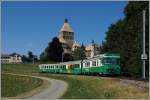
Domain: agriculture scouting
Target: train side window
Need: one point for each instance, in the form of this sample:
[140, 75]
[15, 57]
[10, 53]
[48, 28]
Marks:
[97, 62]
[88, 64]
[93, 63]
[77, 65]
[64, 67]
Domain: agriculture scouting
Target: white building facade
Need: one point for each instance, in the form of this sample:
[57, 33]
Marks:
[12, 58]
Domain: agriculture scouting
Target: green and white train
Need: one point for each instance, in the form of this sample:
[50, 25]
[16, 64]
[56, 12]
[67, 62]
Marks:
[103, 64]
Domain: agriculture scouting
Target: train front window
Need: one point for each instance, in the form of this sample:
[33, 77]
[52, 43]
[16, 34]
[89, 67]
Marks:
[110, 61]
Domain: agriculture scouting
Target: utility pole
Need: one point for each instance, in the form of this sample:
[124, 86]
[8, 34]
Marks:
[143, 56]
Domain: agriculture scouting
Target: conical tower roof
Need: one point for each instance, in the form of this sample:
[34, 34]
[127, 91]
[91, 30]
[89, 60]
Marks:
[66, 27]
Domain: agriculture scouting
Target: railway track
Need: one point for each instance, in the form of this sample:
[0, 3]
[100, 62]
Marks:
[140, 83]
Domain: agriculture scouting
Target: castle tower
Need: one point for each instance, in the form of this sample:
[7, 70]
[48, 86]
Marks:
[66, 36]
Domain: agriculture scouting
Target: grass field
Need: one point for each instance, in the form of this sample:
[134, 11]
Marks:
[13, 85]
[85, 87]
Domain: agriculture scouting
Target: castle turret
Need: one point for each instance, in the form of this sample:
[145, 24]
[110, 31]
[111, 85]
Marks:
[66, 36]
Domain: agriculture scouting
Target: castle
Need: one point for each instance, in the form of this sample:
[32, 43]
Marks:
[66, 37]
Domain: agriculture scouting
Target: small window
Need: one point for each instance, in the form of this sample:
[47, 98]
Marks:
[93, 63]
[76, 65]
[87, 64]
[97, 63]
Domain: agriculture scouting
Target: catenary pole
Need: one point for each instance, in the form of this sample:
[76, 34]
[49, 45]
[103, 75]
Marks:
[143, 59]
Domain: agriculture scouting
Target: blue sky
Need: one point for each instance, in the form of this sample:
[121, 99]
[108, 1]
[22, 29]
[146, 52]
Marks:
[31, 25]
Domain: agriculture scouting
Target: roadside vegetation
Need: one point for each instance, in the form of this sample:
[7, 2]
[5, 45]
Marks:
[83, 87]
[12, 85]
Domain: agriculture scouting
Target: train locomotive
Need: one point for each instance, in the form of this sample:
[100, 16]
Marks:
[103, 64]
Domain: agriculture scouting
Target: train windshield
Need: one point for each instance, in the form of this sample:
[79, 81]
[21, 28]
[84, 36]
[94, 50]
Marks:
[110, 61]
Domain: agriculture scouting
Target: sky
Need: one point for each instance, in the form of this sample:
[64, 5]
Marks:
[30, 26]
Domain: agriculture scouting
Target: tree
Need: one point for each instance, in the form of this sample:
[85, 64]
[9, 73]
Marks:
[79, 54]
[83, 47]
[53, 52]
[67, 57]
[124, 37]
[25, 59]
[30, 56]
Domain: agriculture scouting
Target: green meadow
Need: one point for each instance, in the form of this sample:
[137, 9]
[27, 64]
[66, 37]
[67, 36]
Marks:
[80, 87]
[13, 85]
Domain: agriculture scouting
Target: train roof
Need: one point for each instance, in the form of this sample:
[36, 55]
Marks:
[108, 55]
[61, 63]
[112, 55]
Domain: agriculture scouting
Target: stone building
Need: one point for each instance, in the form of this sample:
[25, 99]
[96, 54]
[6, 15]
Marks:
[11, 58]
[66, 37]
[92, 49]
[75, 46]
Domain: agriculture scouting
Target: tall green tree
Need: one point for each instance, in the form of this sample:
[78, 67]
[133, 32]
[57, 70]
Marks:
[53, 52]
[30, 56]
[25, 59]
[83, 47]
[125, 37]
